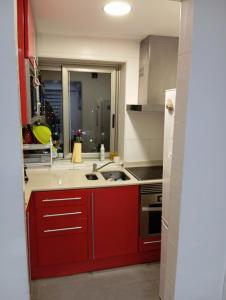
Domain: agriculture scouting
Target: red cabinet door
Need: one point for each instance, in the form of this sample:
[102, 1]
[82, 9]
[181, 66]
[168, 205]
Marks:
[30, 32]
[21, 62]
[26, 48]
[115, 221]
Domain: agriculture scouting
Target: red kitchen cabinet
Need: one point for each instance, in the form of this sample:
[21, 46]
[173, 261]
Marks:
[26, 49]
[30, 32]
[21, 62]
[59, 229]
[115, 221]
[83, 230]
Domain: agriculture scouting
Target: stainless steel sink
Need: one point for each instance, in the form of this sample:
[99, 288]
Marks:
[91, 177]
[115, 176]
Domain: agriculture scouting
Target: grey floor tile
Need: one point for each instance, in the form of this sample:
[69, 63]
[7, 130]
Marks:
[140, 282]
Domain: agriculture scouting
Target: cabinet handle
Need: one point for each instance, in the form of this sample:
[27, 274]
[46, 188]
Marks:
[153, 242]
[62, 199]
[151, 208]
[63, 229]
[65, 214]
[93, 234]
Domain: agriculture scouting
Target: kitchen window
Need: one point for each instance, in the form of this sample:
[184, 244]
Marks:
[81, 97]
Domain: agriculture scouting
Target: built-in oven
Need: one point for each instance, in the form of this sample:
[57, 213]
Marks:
[150, 209]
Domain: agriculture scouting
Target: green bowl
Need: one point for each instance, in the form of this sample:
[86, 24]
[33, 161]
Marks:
[42, 133]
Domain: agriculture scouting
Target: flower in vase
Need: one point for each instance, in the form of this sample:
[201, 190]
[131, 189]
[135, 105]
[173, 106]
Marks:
[78, 134]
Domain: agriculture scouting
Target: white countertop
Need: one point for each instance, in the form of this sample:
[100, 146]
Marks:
[65, 175]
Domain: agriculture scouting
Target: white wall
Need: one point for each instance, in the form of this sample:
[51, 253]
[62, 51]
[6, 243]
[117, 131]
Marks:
[147, 147]
[13, 261]
[144, 136]
[197, 240]
[95, 49]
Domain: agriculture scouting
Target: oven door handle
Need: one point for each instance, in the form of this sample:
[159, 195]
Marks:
[144, 208]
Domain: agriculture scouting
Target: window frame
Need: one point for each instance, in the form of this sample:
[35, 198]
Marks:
[85, 66]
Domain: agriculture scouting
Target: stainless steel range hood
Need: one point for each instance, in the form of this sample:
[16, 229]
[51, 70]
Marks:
[157, 72]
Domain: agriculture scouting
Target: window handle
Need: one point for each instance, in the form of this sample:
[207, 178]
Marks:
[113, 120]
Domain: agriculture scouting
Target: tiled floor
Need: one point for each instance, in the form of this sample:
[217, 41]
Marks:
[140, 282]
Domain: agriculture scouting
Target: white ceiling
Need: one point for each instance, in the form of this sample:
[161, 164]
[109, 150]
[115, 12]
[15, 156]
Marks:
[86, 18]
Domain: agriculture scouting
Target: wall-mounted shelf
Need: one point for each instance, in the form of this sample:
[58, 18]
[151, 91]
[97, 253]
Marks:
[38, 154]
[36, 146]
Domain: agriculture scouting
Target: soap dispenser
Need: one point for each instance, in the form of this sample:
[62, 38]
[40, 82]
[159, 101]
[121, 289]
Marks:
[102, 152]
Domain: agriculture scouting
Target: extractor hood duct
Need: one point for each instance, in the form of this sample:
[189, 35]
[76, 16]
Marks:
[157, 72]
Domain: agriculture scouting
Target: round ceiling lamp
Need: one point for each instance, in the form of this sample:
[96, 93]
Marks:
[117, 8]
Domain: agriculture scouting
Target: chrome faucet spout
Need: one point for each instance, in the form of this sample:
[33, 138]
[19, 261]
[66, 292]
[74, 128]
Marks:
[95, 169]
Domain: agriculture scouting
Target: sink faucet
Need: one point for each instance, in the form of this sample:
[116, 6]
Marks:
[95, 169]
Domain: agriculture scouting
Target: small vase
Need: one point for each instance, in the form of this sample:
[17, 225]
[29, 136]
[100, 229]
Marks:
[77, 153]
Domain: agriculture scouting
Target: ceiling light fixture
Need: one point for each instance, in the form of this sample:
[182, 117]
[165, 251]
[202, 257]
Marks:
[117, 8]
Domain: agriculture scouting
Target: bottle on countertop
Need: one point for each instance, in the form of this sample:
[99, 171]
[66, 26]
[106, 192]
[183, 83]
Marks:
[102, 152]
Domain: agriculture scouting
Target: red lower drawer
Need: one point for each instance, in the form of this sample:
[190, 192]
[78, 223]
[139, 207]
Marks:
[64, 226]
[80, 210]
[60, 198]
[55, 217]
[62, 249]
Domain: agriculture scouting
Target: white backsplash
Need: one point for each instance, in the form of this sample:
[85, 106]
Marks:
[143, 136]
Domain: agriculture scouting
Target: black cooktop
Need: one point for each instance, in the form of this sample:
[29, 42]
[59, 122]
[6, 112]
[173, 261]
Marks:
[146, 173]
